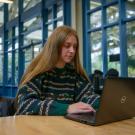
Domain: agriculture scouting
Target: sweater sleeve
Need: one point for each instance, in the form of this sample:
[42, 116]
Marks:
[84, 93]
[30, 102]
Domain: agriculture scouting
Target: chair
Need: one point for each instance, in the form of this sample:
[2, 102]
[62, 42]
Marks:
[7, 106]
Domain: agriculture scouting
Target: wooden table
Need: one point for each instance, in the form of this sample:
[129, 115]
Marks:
[55, 125]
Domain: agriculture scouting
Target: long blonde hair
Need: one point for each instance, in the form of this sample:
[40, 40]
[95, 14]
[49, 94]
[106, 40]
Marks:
[48, 57]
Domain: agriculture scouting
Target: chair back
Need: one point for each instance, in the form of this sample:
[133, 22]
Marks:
[7, 106]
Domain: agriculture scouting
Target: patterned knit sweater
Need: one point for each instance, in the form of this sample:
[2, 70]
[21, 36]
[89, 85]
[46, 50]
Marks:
[51, 93]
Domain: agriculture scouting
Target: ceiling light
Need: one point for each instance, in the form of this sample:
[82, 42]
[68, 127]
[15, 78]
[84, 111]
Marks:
[6, 1]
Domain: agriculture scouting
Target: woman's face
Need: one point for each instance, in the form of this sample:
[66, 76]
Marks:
[68, 50]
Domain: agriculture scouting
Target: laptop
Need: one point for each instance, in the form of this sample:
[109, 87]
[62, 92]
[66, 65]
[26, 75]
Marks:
[117, 103]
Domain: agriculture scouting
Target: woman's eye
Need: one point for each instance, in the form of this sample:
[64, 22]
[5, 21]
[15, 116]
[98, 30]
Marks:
[67, 45]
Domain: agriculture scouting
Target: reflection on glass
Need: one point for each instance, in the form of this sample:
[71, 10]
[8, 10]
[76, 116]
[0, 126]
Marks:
[13, 10]
[96, 50]
[37, 49]
[16, 31]
[33, 37]
[59, 23]
[32, 24]
[1, 45]
[1, 66]
[107, 1]
[50, 29]
[59, 9]
[1, 4]
[112, 14]
[10, 34]
[1, 59]
[95, 19]
[9, 81]
[27, 4]
[50, 14]
[94, 3]
[16, 44]
[27, 56]
[130, 8]
[29, 23]
[131, 48]
[113, 49]
[0, 40]
[26, 41]
[1, 16]
[16, 67]
[9, 47]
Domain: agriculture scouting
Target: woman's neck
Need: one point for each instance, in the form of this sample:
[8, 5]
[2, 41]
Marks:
[60, 65]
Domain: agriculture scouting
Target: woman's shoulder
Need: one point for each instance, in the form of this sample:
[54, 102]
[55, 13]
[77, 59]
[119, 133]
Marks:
[39, 76]
[81, 78]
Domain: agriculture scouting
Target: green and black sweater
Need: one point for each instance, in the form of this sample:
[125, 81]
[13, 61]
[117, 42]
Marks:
[52, 92]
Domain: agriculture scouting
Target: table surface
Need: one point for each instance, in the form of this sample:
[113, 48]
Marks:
[57, 125]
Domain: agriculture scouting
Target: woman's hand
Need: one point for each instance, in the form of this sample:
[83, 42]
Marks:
[80, 107]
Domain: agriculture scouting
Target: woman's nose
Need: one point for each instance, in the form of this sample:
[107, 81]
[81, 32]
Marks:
[72, 49]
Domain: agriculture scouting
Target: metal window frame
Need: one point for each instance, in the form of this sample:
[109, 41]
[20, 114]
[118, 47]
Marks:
[121, 23]
[38, 9]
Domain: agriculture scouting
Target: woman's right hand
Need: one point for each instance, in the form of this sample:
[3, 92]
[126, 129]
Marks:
[80, 107]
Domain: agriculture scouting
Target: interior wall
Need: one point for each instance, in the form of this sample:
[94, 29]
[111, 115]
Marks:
[76, 22]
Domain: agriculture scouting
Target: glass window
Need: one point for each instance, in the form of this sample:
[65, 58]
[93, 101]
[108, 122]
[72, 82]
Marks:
[1, 14]
[37, 49]
[59, 9]
[113, 48]
[50, 29]
[16, 31]
[32, 24]
[1, 60]
[50, 14]
[28, 56]
[1, 67]
[59, 23]
[112, 14]
[54, 16]
[131, 48]
[9, 47]
[16, 44]
[1, 41]
[16, 62]
[9, 81]
[130, 8]
[16, 67]
[33, 31]
[9, 68]
[1, 4]
[94, 3]
[13, 10]
[96, 50]
[107, 1]
[27, 4]
[95, 19]
[33, 37]
[9, 34]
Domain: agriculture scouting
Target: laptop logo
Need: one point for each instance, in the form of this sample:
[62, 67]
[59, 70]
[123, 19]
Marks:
[123, 99]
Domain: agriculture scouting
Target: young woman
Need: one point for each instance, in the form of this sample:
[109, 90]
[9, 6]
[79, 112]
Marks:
[55, 83]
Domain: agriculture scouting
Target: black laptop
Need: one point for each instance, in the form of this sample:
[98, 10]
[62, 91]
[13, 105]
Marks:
[117, 103]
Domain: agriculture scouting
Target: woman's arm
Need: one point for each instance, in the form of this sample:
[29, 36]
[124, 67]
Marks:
[30, 102]
[80, 107]
[84, 93]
